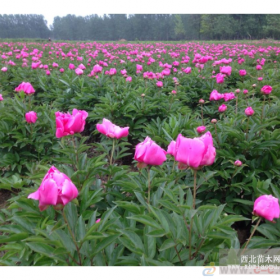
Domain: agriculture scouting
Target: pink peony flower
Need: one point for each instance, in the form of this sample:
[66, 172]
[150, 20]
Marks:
[237, 163]
[200, 129]
[27, 88]
[266, 89]
[220, 78]
[249, 111]
[222, 108]
[55, 189]
[187, 70]
[79, 71]
[111, 130]
[159, 84]
[31, 117]
[67, 124]
[97, 68]
[139, 67]
[215, 95]
[112, 71]
[148, 152]
[71, 66]
[225, 70]
[229, 96]
[267, 206]
[242, 72]
[195, 152]
[171, 149]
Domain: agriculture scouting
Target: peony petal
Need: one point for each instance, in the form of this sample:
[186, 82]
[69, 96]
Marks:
[35, 195]
[48, 192]
[189, 151]
[69, 192]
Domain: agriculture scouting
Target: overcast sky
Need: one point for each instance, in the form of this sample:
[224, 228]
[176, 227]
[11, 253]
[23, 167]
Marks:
[52, 8]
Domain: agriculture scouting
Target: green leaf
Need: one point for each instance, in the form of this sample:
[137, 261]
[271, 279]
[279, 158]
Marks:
[103, 244]
[157, 233]
[149, 243]
[134, 238]
[168, 243]
[146, 220]
[130, 206]
[219, 235]
[13, 237]
[244, 201]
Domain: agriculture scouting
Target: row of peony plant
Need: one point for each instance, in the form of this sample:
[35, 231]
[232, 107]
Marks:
[58, 190]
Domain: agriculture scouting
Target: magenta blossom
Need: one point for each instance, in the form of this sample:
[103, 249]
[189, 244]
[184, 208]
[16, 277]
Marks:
[229, 96]
[79, 71]
[71, 66]
[225, 70]
[112, 71]
[222, 108]
[242, 72]
[31, 117]
[249, 111]
[237, 163]
[220, 78]
[215, 95]
[97, 68]
[27, 88]
[111, 130]
[67, 124]
[55, 189]
[159, 84]
[200, 129]
[266, 89]
[148, 152]
[171, 149]
[195, 152]
[267, 206]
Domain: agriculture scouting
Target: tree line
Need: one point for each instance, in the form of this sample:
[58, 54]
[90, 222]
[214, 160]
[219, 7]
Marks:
[143, 27]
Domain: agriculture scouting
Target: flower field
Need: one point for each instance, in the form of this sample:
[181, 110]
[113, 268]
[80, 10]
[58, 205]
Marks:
[147, 154]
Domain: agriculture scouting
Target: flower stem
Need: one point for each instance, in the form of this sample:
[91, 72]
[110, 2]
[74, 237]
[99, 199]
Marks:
[73, 237]
[149, 187]
[76, 153]
[251, 235]
[112, 152]
[178, 255]
[191, 225]
[263, 108]
[173, 165]
[29, 102]
[171, 102]
[217, 134]
[236, 105]
[194, 188]
[31, 129]
[76, 166]
[202, 114]
[247, 128]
